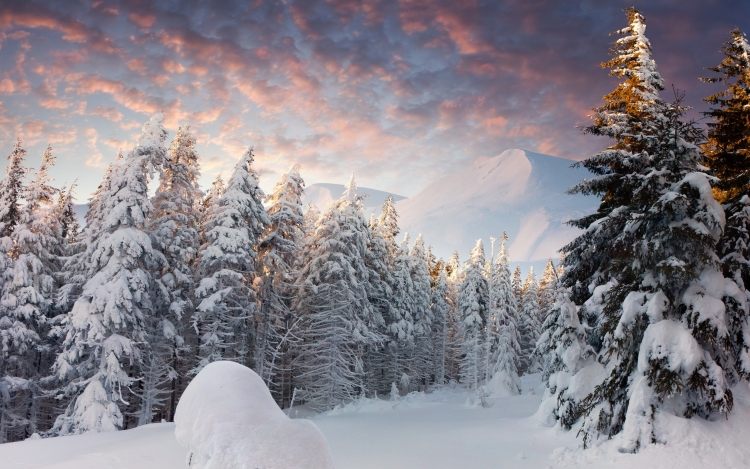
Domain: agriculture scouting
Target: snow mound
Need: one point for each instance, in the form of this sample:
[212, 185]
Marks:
[502, 385]
[228, 420]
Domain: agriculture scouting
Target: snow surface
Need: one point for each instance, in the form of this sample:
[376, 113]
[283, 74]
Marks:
[228, 420]
[436, 430]
[518, 191]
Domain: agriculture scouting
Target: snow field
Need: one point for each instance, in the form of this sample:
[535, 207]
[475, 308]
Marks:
[424, 431]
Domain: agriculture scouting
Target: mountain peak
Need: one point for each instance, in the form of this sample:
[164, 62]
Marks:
[518, 191]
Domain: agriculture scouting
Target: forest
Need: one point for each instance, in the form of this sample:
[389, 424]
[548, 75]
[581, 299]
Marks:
[102, 326]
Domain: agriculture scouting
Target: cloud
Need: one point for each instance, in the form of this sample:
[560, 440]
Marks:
[109, 113]
[398, 91]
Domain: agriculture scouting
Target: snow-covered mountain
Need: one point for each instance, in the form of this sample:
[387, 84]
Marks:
[518, 191]
[323, 194]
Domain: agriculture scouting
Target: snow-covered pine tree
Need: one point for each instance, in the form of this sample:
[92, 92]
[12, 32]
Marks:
[454, 276]
[517, 284]
[529, 327]
[400, 325]
[278, 252]
[66, 220]
[546, 290]
[388, 226]
[104, 332]
[11, 189]
[74, 272]
[337, 320]
[473, 309]
[453, 268]
[727, 153]
[562, 351]
[234, 225]
[173, 227]
[504, 349]
[421, 312]
[380, 294]
[26, 304]
[651, 245]
[441, 309]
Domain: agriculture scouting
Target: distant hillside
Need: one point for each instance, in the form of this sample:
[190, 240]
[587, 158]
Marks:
[321, 195]
[520, 192]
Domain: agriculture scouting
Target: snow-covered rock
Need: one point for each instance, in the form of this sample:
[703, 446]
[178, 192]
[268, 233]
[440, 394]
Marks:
[228, 420]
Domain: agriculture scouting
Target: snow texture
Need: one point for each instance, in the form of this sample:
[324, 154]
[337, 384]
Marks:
[228, 420]
[431, 430]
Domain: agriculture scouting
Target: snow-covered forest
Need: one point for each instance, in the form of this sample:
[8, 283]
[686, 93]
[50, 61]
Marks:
[644, 315]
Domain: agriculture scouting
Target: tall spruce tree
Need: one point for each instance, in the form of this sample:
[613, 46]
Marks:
[473, 309]
[233, 226]
[727, 153]
[400, 325]
[105, 332]
[173, 227]
[504, 349]
[421, 312]
[651, 243]
[441, 309]
[278, 252]
[11, 189]
[26, 305]
[562, 351]
[529, 327]
[380, 294]
[338, 323]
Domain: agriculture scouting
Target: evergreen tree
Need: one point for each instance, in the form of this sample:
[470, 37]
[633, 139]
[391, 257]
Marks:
[441, 309]
[547, 290]
[728, 155]
[26, 305]
[400, 325]
[380, 295]
[277, 254]
[173, 228]
[473, 308]
[651, 247]
[338, 323]
[504, 349]
[454, 338]
[517, 284]
[727, 149]
[11, 190]
[66, 220]
[104, 332]
[388, 226]
[529, 326]
[421, 312]
[234, 225]
[626, 116]
[563, 351]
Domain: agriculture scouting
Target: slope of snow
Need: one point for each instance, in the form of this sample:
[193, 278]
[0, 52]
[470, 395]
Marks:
[437, 430]
[228, 420]
[322, 194]
[520, 192]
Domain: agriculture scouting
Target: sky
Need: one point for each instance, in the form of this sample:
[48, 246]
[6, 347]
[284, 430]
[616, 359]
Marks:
[398, 92]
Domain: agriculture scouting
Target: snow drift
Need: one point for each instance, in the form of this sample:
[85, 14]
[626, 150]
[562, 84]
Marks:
[228, 420]
[520, 192]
